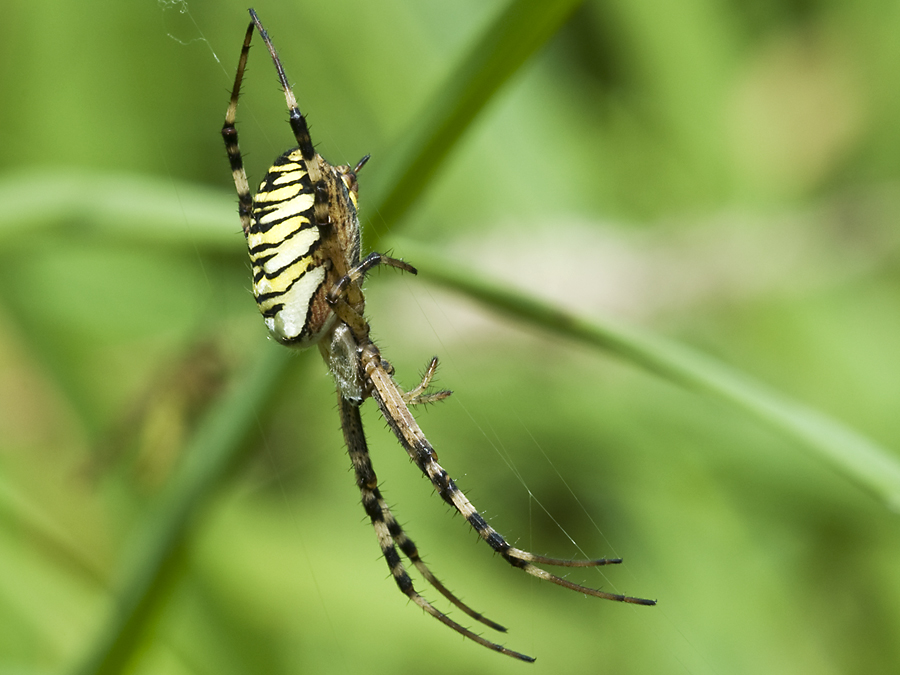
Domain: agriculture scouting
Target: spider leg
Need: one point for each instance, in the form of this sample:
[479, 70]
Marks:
[229, 134]
[396, 413]
[390, 535]
[345, 296]
[314, 164]
[360, 164]
[360, 270]
[418, 396]
[297, 120]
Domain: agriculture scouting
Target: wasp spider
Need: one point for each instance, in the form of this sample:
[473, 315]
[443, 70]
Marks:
[303, 233]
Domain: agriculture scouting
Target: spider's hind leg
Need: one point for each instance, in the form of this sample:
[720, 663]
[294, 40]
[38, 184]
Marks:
[391, 402]
[391, 536]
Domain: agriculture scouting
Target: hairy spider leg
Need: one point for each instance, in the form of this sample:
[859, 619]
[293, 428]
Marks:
[391, 535]
[229, 133]
[395, 411]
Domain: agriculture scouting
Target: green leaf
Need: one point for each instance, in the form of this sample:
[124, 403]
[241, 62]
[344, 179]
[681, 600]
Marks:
[855, 457]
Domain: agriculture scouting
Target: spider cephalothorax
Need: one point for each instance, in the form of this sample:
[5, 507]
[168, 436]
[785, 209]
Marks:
[303, 233]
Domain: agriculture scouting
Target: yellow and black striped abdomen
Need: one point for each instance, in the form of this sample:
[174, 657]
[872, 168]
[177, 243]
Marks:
[283, 238]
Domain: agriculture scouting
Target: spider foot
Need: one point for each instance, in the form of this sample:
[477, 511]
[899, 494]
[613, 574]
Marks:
[424, 399]
[526, 562]
[462, 630]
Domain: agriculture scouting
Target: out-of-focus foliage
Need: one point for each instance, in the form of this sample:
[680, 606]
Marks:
[723, 174]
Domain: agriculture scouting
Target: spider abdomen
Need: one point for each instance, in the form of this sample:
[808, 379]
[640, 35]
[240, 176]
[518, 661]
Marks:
[284, 237]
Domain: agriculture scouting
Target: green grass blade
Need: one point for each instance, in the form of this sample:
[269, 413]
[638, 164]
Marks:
[213, 450]
[115, 205]
[513, 37]
[854, 456]
[857, 458]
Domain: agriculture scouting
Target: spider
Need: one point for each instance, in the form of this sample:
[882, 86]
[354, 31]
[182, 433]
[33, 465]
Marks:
[303, 234]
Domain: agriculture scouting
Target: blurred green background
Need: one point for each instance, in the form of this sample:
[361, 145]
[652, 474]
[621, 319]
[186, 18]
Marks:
[174, 492]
